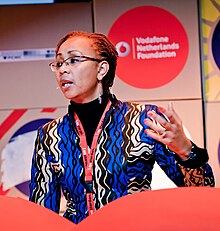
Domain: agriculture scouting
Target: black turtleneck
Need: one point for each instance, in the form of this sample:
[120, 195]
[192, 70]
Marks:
[90, 115]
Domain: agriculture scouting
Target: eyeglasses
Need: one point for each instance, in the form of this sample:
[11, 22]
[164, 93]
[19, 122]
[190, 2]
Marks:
[71, 61]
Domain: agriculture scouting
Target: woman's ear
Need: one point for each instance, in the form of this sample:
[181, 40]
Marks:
[102, 69]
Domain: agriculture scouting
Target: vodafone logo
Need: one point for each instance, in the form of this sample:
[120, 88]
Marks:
[152, 45]
[123, 49]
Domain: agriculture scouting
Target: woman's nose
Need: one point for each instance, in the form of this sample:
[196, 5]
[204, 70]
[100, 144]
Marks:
[64, 68]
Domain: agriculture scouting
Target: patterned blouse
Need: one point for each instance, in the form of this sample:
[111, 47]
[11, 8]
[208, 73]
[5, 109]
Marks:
[123, 161]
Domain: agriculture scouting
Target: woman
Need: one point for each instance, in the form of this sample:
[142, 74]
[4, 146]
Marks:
[103, 149]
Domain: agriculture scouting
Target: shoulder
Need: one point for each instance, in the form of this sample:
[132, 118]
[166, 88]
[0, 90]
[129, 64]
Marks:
[54, 122]
[133, 105]
[140, 106]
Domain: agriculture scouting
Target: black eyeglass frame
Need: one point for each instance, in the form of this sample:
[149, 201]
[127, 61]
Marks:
[79, 59]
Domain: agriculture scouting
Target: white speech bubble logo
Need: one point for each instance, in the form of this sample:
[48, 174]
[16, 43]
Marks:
[123, 49]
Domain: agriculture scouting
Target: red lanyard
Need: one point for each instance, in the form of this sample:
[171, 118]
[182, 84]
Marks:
[88, 155]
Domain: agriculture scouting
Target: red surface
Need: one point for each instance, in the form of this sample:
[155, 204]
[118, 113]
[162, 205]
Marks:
[19, 214]
[179, 209]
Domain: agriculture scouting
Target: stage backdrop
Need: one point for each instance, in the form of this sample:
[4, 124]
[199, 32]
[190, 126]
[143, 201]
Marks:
[159, 54]
[29, 98]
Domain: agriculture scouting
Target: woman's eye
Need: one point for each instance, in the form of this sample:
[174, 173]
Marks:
[59, 64]
[74, 60]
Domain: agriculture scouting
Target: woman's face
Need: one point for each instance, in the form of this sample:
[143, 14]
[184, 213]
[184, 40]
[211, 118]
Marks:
[78, 81]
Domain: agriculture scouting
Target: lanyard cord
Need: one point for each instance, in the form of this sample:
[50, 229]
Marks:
[88, 155]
